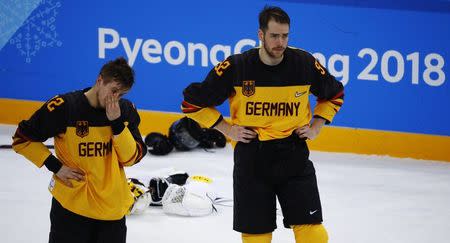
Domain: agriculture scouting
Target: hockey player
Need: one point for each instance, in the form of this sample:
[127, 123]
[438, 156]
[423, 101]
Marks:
[268, 89]
[95, 134]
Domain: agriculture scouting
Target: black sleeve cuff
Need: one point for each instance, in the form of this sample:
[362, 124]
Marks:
[117, 126]
[217, 122]
[53, 164]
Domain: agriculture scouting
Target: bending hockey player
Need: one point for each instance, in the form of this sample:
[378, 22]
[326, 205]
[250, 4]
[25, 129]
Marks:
[96, 134]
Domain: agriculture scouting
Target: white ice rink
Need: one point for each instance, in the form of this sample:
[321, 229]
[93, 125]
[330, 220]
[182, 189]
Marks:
[365, 199]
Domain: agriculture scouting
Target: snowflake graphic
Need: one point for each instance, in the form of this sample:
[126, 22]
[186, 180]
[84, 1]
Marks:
[38, 31]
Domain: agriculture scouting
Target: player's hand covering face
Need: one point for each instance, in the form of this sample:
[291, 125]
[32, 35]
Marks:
[108, 96]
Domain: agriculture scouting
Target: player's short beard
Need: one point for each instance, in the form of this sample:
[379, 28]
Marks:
[268, 51]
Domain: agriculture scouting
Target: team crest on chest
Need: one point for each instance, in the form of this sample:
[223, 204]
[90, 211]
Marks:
[82, 128]
[248, 88]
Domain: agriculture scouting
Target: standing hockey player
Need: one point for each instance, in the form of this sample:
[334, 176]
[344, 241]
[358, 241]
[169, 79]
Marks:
[268, 89]
[95, 134]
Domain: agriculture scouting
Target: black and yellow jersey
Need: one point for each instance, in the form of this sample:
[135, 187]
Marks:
[84, 139]
[271, 100]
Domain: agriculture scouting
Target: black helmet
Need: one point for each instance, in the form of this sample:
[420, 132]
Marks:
[212, 138]
[185, 134]
[158, 144]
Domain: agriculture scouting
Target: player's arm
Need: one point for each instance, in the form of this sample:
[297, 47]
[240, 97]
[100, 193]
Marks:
[200, 99]
[329, 91]
[127, 140]
[46, 122]
[235, 132]
[330, 97]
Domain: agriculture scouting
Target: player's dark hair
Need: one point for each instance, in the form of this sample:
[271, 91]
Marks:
[271, 12]
[118, 71]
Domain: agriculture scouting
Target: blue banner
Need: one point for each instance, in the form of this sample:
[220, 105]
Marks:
[390, 57]
[413, 5]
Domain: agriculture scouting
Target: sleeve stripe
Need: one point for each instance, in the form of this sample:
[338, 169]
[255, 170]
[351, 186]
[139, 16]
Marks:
[189, 108]
[337, 102]
[339, 95]
[140, 154]
[136, 157]
[339, 98]
[189, 105]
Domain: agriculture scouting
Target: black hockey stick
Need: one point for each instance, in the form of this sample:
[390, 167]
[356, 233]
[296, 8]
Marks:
[7, 146]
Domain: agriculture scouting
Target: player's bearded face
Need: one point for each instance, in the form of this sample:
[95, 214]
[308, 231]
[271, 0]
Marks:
[276, 39]
[274, 51]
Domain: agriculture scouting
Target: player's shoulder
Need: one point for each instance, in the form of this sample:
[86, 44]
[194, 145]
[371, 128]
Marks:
[298, 52]
[63, 101]
[71, 96]
[127, 105]
[300, 56]
[129, 110]
[236, 61]
[249, 54]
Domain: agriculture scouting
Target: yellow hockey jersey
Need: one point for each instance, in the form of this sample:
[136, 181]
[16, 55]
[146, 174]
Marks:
[84, 139]
[271, 100]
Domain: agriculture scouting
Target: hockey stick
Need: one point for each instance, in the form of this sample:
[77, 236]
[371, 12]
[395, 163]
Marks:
[7, 146]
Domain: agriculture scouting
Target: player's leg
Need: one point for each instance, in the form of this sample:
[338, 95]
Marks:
[299, 198]
[310, 233]
[68, 227]
[257, 238]
[114, 231]
[254, 199]
[301, 207]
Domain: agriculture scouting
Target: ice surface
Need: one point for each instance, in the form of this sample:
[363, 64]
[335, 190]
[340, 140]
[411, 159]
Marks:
[365, 199]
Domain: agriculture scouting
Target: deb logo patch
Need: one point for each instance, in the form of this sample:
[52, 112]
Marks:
[248, 88]
[82, 128]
